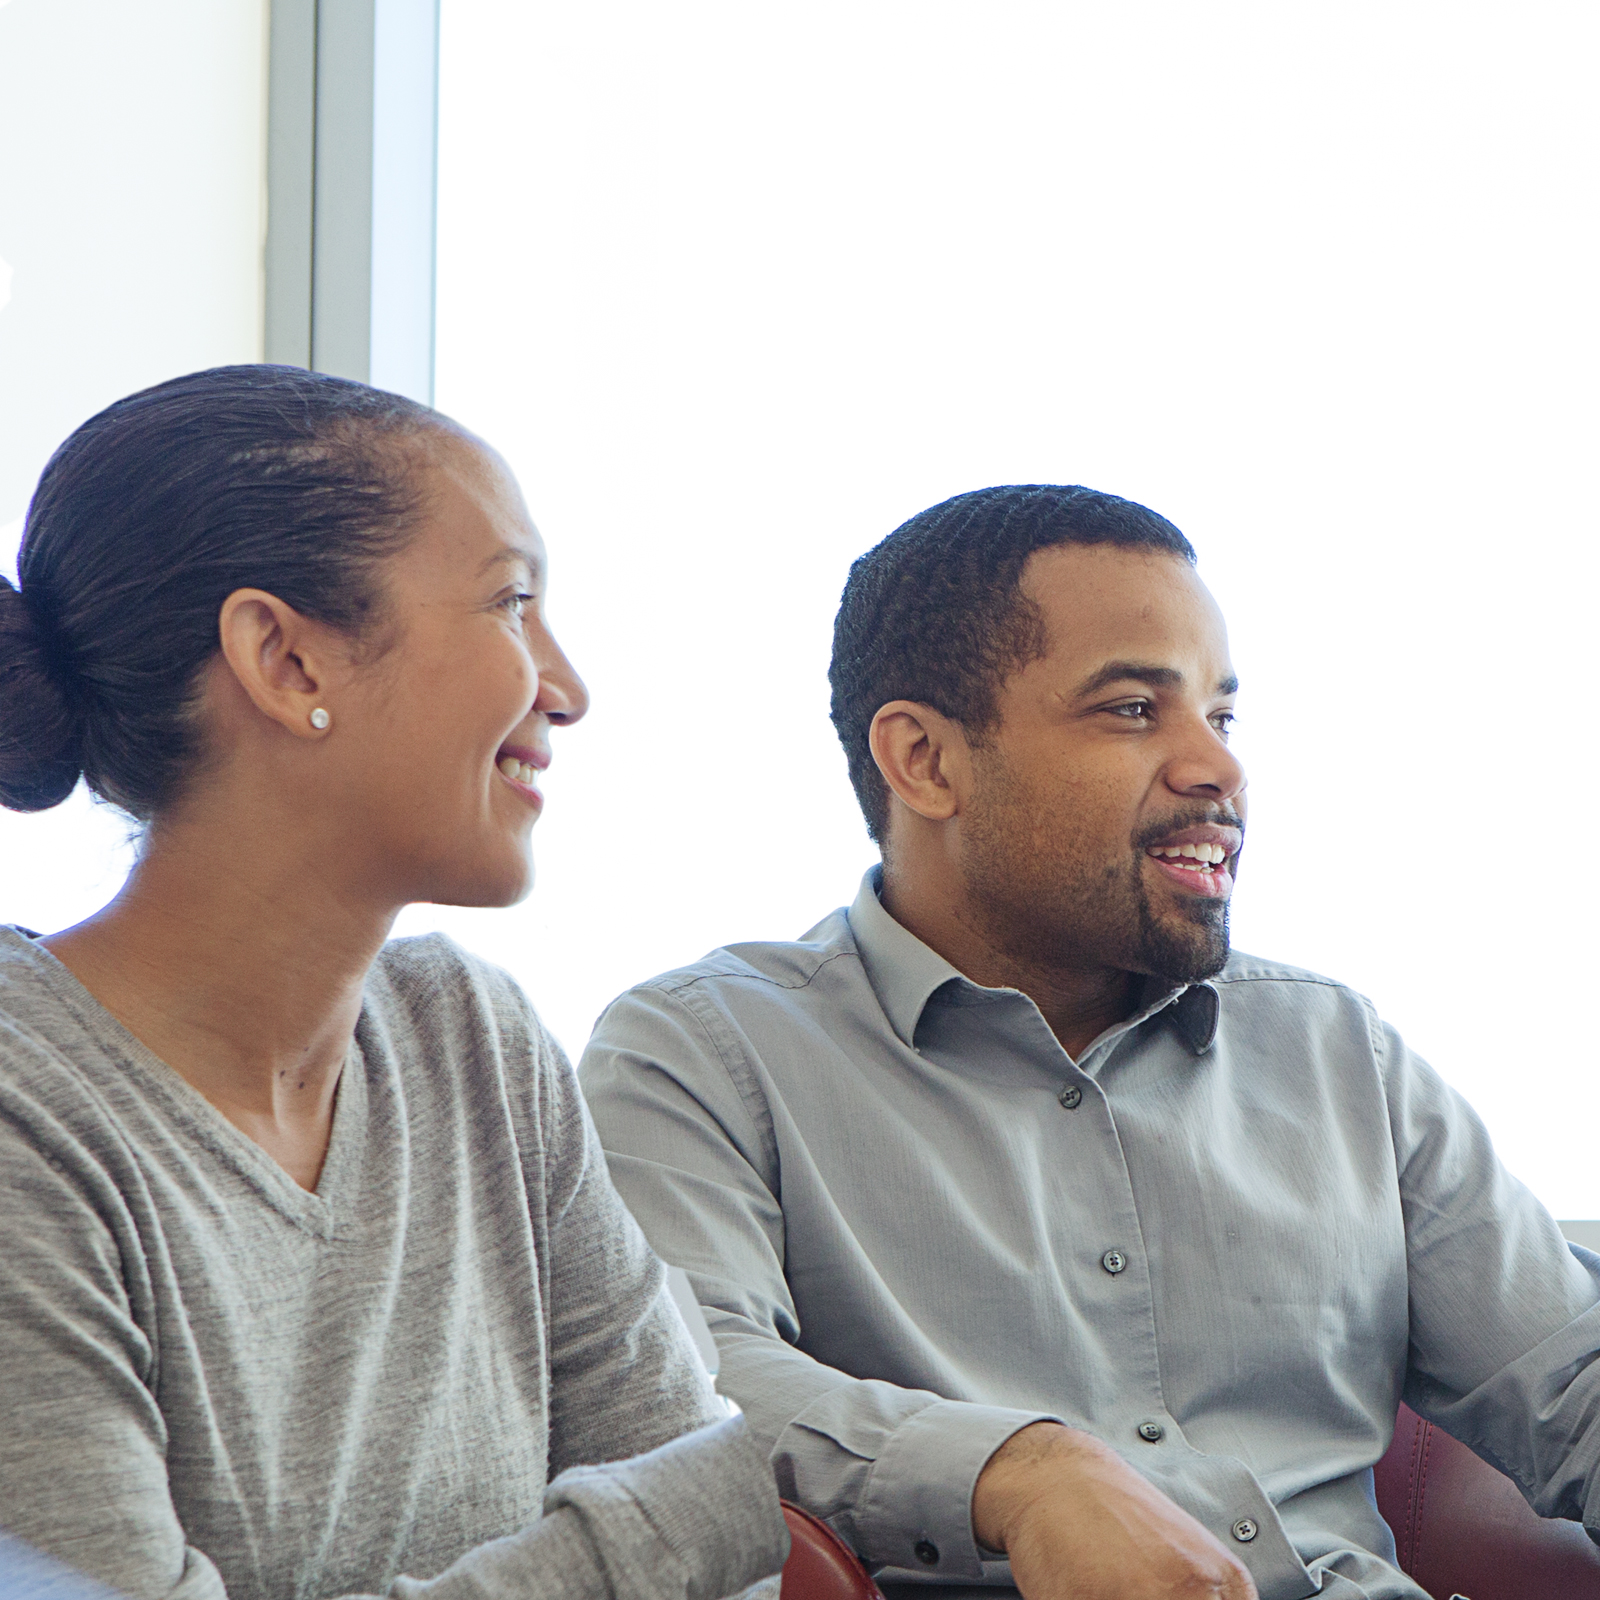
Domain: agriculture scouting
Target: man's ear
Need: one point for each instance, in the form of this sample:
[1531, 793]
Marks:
[923, 756]
[279, 658]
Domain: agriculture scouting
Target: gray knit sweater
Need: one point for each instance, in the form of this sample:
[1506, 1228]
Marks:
[213, 1382]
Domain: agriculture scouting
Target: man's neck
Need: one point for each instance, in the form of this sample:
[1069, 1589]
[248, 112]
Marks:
[1078, 1004]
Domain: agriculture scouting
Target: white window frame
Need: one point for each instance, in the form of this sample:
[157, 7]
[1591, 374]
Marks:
[352, 141]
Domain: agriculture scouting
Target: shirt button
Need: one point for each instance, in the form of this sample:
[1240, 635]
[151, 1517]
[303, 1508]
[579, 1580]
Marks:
[1114, 1262]
[1152, 1432]
[1244, 1530]
[927, 1552]
[1071, 1097]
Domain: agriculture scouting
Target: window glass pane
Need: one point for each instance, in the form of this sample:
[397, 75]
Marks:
[738, 288]
[132, 172]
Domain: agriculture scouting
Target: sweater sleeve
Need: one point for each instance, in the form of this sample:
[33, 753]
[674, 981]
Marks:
[79, 1422]
[657, 1490]
[696, 1517]
[624, 1373]
[690, 1513]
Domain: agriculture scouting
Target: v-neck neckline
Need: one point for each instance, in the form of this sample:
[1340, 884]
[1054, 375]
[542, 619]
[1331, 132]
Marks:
[325, 1211]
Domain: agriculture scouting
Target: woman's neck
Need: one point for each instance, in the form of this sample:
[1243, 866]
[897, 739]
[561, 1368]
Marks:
[241, 968]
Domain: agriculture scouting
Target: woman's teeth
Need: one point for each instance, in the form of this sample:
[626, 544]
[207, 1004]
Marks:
[1203, 856]
[522, 772]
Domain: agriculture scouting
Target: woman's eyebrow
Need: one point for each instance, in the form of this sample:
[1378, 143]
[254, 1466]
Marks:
[505, 555]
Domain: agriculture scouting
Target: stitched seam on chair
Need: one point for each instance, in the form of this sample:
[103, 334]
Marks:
[1408, 1523]
[1426, 1431]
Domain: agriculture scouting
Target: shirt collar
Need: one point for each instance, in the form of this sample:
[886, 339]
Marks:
[902, 970]
[905, 974]
[1196, 1013]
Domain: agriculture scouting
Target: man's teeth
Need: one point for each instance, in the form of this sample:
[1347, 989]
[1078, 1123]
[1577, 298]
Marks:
[519, 771]
[1203, 855]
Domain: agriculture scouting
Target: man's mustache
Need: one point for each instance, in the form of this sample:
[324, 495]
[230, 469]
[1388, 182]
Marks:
[1218, 816]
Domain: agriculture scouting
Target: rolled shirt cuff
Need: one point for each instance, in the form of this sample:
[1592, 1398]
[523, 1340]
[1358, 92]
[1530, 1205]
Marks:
[917, 1510]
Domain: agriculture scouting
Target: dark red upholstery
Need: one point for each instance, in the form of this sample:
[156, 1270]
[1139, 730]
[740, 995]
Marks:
[1462, 1528]
[821, 1566]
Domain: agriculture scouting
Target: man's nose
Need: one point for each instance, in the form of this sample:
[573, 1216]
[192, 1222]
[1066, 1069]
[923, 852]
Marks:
[1204, 766]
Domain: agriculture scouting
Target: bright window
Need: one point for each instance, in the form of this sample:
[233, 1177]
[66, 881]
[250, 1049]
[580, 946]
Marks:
[131, 209]
[737, 288]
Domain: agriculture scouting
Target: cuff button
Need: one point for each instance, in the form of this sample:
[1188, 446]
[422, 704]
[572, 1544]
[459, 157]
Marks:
[927, 1552]
[1244, 1530]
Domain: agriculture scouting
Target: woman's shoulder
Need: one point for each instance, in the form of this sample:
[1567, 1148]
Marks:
[48, 1039]
[463, 1038]
[63, 1094]
[431, 991]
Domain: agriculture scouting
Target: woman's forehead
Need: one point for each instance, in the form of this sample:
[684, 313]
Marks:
[474, 517]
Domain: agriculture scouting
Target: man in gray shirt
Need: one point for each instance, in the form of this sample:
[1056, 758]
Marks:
[1030, 1222]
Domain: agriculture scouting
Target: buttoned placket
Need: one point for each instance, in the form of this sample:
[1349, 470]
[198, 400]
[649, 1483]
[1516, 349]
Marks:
[1121, 1257]
[1118, 1250]
[1119, 1306]
[1118, 1253]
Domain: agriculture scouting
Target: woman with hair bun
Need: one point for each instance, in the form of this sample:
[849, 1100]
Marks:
[312, 1280]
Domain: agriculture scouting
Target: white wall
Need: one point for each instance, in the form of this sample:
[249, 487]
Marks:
[738, 288]
[131, 219]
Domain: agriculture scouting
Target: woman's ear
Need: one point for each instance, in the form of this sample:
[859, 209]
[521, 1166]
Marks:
[278, 657]
[923, 757]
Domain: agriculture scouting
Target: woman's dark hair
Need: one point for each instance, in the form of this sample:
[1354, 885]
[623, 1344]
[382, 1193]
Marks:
[147, 518]
[935, 613]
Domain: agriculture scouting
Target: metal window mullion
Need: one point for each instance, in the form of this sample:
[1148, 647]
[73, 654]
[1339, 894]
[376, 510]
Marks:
[351, 189]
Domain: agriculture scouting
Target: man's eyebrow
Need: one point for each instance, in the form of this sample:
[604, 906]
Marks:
[1124, 671]
[1143, 672]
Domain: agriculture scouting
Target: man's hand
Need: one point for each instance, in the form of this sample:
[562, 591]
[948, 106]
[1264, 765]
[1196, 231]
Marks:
[1078, 1523]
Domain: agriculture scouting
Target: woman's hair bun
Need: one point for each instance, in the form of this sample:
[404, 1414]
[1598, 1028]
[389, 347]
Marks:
[41, 737]
[145, 520]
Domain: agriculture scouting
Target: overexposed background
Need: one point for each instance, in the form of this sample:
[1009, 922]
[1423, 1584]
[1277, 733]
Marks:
[739, 288]
[132, 211]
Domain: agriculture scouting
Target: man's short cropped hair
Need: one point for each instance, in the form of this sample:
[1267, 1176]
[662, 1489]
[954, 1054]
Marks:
[936, 613]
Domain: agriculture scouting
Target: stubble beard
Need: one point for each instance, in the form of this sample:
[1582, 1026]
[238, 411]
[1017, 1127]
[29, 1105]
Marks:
[1040, 906]
[1190, 946]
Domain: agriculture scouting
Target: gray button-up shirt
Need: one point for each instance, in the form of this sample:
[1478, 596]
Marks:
[1226, 1241]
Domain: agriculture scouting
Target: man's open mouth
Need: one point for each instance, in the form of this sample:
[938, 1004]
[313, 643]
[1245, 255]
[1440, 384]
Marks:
[1198, 858]
[1191, 857]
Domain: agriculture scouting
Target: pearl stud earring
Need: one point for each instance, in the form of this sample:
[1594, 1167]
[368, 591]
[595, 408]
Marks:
[320, 719]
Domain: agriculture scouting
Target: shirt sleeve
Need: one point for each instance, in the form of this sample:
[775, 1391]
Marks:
[1505, 1314]
[892, 1470]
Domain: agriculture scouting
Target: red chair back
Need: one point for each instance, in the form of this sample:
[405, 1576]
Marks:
[1460, 1527]
[1463, 1528]
[821, 1566]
